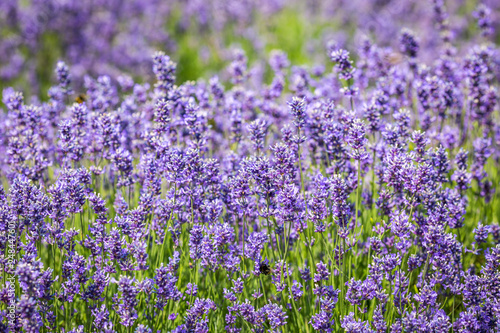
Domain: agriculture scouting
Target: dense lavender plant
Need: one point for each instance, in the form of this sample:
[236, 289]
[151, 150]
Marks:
[274, 196]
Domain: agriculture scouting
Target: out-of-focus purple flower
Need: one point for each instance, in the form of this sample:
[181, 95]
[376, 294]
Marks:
[408, 43]
[278, 61]
[484, 20]
[63, 77]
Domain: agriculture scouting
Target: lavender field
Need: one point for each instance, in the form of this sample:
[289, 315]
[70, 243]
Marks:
[250, 166]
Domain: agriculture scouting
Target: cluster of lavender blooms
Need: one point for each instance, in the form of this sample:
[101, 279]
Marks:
[115, 37]
[353, 196]
[109, 37]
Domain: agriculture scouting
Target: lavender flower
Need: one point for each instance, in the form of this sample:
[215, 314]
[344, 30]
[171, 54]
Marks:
[483, 16]
[343, 64]
[257, 131]
[298, 110]
[63, 77]
[160, 198]
[409, 44]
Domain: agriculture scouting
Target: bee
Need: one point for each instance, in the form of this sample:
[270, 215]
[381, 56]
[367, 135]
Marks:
[265, 269]
[394, 58]
[81, 98]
